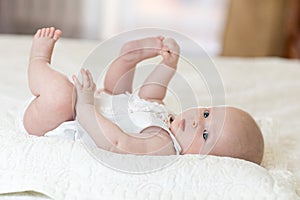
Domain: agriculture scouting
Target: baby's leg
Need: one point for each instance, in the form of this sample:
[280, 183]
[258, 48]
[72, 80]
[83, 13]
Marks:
[155, 86]
[53, 90]
[120, 74]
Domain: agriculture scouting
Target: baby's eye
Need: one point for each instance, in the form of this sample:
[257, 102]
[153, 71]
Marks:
[205, 134]
[206, 114]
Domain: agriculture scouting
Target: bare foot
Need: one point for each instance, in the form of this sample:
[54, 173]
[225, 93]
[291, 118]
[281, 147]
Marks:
[43, 44]
[138, 50]
[170, 52]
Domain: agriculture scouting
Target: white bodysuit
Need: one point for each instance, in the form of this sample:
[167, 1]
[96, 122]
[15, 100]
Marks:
[131, 113]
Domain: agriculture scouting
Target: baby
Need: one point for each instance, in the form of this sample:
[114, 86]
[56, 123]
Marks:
[221, 131]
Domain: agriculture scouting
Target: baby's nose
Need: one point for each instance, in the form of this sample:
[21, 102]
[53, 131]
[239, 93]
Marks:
[195, 124]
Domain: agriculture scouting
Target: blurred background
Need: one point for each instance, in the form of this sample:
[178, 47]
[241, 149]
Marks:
[243, 28]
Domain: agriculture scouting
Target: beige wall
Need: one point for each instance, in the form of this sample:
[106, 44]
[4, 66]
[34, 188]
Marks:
[255, 28]
[25, 16]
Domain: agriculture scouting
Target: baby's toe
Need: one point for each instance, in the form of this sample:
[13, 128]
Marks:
[57, 34]
[38, 33]
[51, 32]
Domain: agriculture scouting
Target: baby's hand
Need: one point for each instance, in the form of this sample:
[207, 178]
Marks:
[170, 52]
[85, 90]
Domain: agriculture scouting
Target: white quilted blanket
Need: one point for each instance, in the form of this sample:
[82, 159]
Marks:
[65, 170]
[42, 167]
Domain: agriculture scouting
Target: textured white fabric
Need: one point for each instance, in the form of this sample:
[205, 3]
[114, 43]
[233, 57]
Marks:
[268, 88]
[66, 170]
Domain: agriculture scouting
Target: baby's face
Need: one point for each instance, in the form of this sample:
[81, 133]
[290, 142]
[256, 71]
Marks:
[221, 131]
[193, 128]
[199, 129]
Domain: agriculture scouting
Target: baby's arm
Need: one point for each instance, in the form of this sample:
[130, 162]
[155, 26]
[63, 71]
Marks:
[155, 86]
[106, 134]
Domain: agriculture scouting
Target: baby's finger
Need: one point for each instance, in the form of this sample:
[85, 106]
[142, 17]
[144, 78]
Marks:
[89, 74]
[85, 79]
[77, 84]
[91, 79]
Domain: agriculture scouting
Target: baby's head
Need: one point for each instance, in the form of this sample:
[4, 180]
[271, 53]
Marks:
[220, 131]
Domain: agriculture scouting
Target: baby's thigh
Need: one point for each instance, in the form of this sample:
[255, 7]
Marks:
[49, 110]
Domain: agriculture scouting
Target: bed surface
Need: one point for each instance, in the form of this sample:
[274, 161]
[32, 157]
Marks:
[268, 88]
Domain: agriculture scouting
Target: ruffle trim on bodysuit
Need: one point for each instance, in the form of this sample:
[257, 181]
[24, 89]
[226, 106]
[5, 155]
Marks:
[137, 104]
[160, 112]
